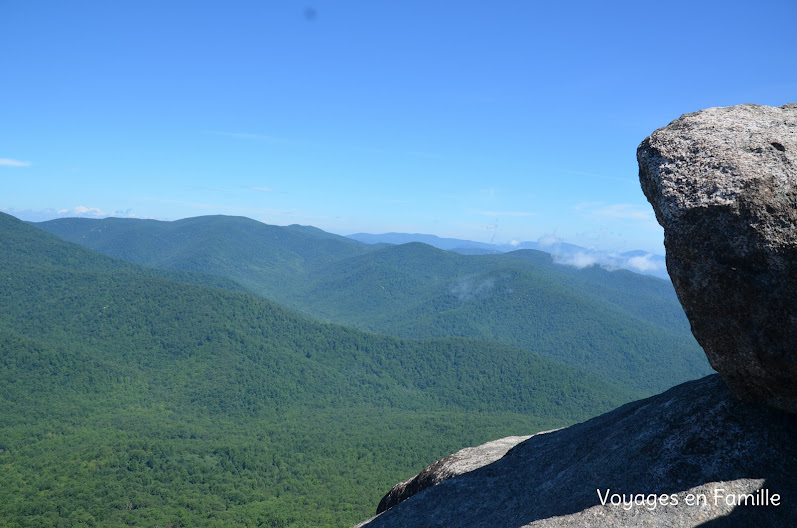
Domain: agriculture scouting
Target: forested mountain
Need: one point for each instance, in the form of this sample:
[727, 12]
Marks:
[269, 260]
[450, 244]
[570, 254]
[135, 397]
[616, 324]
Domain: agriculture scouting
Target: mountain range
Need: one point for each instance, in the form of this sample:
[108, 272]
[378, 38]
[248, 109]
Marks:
[637, 261]
[138, 396]
[164, 385]
[616, 324]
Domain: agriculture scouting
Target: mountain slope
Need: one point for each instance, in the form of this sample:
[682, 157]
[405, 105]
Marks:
[616, 324]
[131, 398]
[271, 261]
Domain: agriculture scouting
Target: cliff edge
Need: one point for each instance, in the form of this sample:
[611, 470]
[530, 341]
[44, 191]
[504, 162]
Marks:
[645, 459]
[718, 451]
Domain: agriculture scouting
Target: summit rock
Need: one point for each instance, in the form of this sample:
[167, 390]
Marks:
[723, 184]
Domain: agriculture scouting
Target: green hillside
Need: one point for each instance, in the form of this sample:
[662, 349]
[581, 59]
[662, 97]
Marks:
[627, 328]
[268, 260]
[133, 398]
[622, 326]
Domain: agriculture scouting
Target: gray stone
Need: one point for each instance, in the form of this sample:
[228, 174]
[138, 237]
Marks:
[723, 184]
[460, 462]
[695, 438]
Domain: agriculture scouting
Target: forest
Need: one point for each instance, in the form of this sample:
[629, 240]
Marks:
[136, 396]
[615, 324]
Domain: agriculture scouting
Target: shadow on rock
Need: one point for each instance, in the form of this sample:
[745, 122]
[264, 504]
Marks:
[696, 438]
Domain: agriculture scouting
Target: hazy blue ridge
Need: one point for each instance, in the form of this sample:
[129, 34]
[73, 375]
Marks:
[623, 326]
[566, 254]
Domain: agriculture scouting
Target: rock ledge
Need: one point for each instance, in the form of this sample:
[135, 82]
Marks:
[695, 438]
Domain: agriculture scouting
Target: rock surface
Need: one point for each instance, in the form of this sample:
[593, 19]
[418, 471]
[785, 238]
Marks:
[695, 438]
[460, 462]
[723, 184]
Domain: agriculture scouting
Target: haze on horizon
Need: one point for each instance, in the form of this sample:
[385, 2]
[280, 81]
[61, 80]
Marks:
[496, 123]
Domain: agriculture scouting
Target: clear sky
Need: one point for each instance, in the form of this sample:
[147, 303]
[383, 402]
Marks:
[491, 121]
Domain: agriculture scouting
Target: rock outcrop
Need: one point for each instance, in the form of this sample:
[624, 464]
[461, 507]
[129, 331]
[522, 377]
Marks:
[696, 438]
[723, 184]
[460, 462]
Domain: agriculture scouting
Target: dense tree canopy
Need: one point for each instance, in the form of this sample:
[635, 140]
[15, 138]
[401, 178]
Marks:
[617, 325]
[138, 397]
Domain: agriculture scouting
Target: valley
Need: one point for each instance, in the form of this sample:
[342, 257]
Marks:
[616, 324]
[135, 395]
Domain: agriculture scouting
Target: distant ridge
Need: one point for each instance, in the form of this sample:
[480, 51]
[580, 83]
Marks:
[433, 240]
[638, 261]
[267, 260]
[614, 324]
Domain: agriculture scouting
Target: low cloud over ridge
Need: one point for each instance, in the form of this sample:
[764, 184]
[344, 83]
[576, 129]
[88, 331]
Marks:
[638, 261]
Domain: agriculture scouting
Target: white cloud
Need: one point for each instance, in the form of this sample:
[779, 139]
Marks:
[95, 212]
[82, 210]
[263, 189]
[570, 255]
[549, 241]
[582, 260]
[645, 264]
[648, 264]
[8, 162]
[42, 215]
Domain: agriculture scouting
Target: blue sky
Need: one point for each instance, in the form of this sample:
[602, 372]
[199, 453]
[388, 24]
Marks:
[493, 121]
